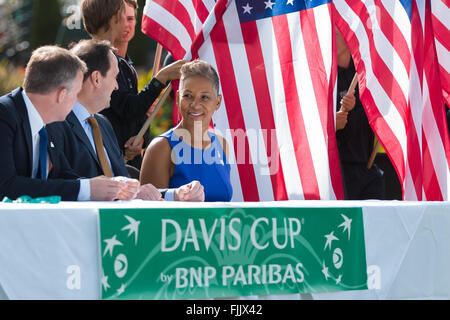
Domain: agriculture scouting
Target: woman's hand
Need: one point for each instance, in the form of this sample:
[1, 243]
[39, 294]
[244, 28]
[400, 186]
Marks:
[171, 72]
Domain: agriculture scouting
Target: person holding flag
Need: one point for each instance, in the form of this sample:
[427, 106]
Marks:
[355, 137]
[110, 20]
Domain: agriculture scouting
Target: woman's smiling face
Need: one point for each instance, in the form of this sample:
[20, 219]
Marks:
[198, 100]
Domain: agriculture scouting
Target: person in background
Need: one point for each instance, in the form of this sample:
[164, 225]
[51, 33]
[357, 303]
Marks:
[448, 118]
[354, 135]
[87, 138]
[115, 20]
[190, 151]
[30, 163]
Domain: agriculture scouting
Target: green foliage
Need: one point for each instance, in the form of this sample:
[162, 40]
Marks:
[10, 77]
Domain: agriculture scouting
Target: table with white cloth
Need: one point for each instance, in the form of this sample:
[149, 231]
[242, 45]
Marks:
[407, 245]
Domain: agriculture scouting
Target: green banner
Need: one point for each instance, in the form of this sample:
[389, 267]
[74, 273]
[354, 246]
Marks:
[228, 252]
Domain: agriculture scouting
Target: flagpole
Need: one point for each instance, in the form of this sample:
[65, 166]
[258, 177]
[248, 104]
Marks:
[374, 154]
[350, 89]
[152, 115]
[377, 143]
[157, 61]
[354, 82]
[158, 102]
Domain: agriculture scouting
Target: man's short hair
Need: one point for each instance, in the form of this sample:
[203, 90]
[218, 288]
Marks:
[200, 68]
[95, 53]
[98, 13]
[51, 68]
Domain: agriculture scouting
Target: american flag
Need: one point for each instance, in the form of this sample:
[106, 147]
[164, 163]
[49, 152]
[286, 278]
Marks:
[393, 46]
[278, 72]
[440, 16]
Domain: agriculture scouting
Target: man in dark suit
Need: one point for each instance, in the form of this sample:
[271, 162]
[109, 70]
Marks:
[31, 164]
[77, 136]
[108, 20]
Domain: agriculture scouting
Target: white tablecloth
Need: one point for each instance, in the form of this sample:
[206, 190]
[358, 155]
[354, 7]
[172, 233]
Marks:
[43, 246]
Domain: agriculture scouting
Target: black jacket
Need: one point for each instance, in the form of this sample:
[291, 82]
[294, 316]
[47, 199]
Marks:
[16, 160]
[70, 137]
[128, 107]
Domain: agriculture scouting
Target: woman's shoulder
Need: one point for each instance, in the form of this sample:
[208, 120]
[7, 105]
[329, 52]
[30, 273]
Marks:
[159, 144]
[166, 134]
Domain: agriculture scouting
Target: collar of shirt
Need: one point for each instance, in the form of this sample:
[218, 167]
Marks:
[81, 112]
[36, 122]
[82, 115]
[128, 59]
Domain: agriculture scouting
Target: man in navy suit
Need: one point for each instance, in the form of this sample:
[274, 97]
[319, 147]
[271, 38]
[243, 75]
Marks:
[31, 164]
[76, 134]
[109, 20]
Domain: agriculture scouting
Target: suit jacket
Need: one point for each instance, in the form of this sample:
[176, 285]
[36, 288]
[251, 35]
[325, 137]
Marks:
[16, 159]
[69, 135]
[128, 107]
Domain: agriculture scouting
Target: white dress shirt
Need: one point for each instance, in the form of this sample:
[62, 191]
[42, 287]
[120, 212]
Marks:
[36, 124]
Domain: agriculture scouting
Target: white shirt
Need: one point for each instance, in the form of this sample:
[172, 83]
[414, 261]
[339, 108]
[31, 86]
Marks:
[36, 124]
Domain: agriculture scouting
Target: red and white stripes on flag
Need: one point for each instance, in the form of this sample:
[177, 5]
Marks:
[175, 24]
[278, 76]
[393, 47]
[440, 17]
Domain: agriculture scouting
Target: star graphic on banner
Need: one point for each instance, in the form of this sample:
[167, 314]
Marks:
[325, 271]
[132, 227]
[247, 9]
[121, 289]
[269, 4]
[291, 2]
[346, 224]
[105, 283]
[338, 280]
[330, 237]
[110, 244]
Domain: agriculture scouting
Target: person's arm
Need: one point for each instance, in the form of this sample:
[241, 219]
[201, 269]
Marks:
[347, 104]
[157, 163]
[192, 191]
[132, 151]
[128, 105]
[348, 101]
[341, 119]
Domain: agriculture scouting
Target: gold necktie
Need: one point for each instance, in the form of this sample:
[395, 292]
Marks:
[99, 147]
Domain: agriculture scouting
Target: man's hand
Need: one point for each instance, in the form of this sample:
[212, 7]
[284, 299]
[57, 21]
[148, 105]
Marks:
[130, 188]
[341, 119]
[148, 192]
[171, 72]
[190, 192]
[105, 189]
[132, 151]
[348, 101]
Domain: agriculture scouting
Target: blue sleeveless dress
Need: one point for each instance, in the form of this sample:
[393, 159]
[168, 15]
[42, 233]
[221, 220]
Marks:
[208, 166]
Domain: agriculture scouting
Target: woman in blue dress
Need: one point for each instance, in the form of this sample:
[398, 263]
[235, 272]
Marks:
[190, 151]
